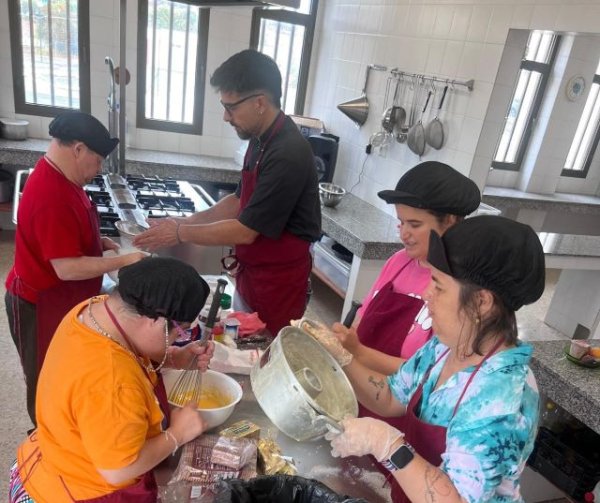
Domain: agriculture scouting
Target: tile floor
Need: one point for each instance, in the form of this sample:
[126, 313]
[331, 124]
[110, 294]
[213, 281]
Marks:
[324, 305]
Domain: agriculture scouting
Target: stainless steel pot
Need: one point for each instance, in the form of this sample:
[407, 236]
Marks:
[6, 186]
[300, 386]
[13, 129]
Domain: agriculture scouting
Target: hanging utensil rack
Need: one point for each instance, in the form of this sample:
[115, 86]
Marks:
[469, 84]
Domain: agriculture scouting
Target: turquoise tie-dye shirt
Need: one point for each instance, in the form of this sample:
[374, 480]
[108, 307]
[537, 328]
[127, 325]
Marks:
[492, 434]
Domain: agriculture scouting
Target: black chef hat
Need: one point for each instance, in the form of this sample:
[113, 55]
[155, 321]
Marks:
[161, 286]
[85, 128]
[433, 185]
[495, 253]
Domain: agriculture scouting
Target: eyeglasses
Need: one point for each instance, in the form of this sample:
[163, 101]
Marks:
[180, 331]
[230, 107]
[188, 334]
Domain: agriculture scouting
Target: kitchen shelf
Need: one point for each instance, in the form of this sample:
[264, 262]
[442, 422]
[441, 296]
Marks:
[319, 274]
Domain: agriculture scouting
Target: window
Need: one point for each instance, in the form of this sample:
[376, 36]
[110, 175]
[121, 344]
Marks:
[286, 35]
[50, 55]
[527, 97]
[172, 41]
[587, 134]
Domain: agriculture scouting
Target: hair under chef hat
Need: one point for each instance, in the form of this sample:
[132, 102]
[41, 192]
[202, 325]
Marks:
[83, 127]
[495, 253]
[162, 286]
[433, 185]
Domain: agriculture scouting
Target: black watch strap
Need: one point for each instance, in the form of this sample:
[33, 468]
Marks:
[399, 458]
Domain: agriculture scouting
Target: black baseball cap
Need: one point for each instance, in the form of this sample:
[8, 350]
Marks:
[83, 127]
[495, 253]
[433, 185]
[163, 286]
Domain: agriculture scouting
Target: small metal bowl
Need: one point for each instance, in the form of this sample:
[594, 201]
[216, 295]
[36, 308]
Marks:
[129, 229]
[331, 194]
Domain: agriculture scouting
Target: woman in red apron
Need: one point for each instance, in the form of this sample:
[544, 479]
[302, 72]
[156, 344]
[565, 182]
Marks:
[393, 322]
[101, 402]
[430, 196]
[468, 397]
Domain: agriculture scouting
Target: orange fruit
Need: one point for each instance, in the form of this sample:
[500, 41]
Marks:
[595, 352]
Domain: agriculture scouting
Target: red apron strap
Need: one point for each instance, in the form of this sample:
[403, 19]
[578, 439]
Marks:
[488, 355]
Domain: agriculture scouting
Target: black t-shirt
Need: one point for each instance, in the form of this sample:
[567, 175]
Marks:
[286, 196]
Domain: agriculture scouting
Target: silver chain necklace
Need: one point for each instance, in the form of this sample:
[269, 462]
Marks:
[103, 332]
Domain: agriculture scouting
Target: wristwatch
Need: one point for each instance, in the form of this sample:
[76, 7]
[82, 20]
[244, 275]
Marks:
[399, 458]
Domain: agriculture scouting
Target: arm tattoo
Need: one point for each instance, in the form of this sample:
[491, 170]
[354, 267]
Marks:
[437, 483]
[379, 384]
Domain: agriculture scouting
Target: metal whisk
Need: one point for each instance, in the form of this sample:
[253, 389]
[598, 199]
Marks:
[188, 387]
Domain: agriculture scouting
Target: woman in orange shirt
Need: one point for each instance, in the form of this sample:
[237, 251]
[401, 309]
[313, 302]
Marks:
[101, 429]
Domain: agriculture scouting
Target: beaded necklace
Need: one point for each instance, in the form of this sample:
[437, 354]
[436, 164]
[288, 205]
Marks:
[99, 329]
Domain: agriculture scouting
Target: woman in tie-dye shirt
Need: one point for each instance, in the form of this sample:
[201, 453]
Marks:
[468, 397]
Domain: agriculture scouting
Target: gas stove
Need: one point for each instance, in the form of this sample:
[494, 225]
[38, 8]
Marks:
[137, 197]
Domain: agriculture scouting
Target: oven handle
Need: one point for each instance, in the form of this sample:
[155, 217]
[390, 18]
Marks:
[18, 193]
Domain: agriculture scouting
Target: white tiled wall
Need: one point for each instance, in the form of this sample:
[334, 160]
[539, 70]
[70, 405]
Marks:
[457, 39]
[460, 39]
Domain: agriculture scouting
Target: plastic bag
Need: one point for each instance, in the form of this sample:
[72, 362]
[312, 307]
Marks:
[233, 452]
[279, 489]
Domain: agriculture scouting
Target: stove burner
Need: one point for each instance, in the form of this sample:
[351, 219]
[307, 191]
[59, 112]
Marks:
[97, 184]
[178, 204]
[107, 224]
[100, 198]
[153, 184]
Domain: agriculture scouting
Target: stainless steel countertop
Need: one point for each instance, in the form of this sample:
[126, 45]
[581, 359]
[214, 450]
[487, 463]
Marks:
[355, 477]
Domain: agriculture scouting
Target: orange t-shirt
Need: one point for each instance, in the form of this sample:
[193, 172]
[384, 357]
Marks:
[95, 410]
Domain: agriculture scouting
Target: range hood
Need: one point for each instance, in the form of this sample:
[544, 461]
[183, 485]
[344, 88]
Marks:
[231, 3]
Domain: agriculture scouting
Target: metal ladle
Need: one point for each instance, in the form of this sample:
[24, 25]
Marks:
[390, 115]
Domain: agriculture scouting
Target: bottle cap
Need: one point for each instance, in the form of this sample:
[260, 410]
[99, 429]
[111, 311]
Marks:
[225, 301]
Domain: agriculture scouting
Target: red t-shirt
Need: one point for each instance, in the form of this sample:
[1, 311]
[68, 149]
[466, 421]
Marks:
[53, 222]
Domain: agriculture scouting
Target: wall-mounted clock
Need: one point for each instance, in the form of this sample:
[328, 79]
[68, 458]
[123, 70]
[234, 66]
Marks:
[575, 87]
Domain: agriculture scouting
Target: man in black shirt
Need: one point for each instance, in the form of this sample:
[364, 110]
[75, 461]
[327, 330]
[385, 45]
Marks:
[275, 212]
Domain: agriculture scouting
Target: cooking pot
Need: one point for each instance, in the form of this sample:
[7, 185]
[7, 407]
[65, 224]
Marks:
[6, 186]
[301, 387]
[13, 129]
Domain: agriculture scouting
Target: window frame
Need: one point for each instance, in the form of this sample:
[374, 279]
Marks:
[308, 21]
[143, 122]
[16, 43]
[544, 69]
[576, 173]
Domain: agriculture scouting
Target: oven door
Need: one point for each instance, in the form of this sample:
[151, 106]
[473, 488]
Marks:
[20, 179]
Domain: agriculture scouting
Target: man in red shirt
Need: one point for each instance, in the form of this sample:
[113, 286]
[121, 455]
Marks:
[58, 249]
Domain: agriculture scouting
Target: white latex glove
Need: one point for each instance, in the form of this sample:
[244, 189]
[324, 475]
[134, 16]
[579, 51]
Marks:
[364, 435]
[326, 338]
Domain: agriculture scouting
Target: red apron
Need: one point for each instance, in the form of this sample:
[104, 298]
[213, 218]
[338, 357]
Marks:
[54, 303]
[272, 276]
[143, 491]
[428, 440]
[384, 326]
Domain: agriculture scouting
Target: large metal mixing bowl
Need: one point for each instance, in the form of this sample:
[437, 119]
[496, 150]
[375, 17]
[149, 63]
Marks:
[331, 194]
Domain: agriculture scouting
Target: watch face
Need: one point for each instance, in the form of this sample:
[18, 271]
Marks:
[402, 456]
